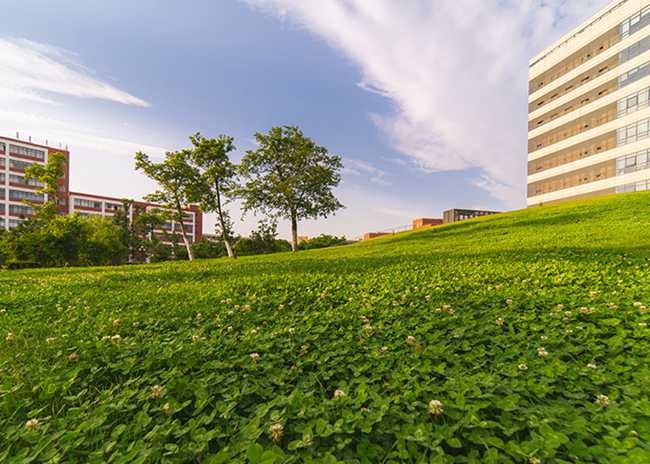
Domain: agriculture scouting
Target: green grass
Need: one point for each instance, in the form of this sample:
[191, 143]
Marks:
[340, 319]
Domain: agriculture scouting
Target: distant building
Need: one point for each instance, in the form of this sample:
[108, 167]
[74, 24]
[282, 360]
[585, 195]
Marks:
[303, 238]
[420, 223]
[371, 235]
[456, 215]
[17, 155]
[588, 118]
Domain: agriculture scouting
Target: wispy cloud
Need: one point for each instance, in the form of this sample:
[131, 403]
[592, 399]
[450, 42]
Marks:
[361, 168]
[35, 72]
[456, 71]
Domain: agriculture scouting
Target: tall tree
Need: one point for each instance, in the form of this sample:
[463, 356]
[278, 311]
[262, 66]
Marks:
[177, 180]
[218, 174]
[288, 176]
[48, 176]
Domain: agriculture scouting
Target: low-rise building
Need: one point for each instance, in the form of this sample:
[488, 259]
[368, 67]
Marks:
[420, 223]
[456, 215]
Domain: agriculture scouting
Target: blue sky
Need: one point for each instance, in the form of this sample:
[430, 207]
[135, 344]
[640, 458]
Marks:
[418, 97]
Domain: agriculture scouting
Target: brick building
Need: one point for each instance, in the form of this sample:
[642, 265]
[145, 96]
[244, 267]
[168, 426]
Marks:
[16, 155]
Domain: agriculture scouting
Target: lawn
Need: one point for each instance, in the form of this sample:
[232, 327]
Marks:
[517, 338]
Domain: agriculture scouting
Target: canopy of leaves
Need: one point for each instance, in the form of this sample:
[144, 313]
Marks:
[289, 176]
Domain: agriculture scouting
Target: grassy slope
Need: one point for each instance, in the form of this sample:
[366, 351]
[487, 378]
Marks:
[309, 312]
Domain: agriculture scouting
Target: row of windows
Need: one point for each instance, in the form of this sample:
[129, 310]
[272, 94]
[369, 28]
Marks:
[21, 210]
[634, 162]
[20, 195]
[633, 132]
[635, 50]
[634, 75]
[635, 187]
[634, 23]
[21, 180]
[634, 102]
[25, 151]
[85, 203]
[19, 165]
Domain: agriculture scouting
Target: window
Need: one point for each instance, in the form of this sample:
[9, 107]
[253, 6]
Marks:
[20, 195]
[112, 206]
[3, 147]
[24, 151]
[634, 75]
[20, 210]
[634, 162]
[3, 163]
[635, 23]
[633, 132]
[19, 165]
[2, 194]
[84, 203]
[20, 180]
[2, 177]
[14, 223]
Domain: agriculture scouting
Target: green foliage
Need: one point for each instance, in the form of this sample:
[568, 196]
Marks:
[336, 355]
[205, 248]
[49, 176]
[64, 241]
[322, 241]
[178, 182]
[216, 182]
[289, 176]
[262, 240]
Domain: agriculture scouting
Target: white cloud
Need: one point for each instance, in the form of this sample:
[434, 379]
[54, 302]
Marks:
[456, 71]
[33, 71]
[360, 168]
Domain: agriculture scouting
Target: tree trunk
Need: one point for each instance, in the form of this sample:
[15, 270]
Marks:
[294, 233]
[188, 246]
[224, 229]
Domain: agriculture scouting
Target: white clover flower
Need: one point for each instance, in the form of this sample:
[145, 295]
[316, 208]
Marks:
[593, 293]
[199, 317]
[428, 297]
[255, 357]
[117, 322]
[383, 349]
[559, 306]
[276, 431]
[338, 394]
[435, 407]
[230, 328]
[643, 324]
[543, 338]
[643, 309]
[410, 340]
[49, 340]
[32, 424]
[254, 332]
[509, 301]
[195, 338]
[73, 357]
[136, 324]
[291, 331]
[367, 329]
[116, 338]
[157, 391]
[592, 366]
[10, 337]
[637, 304]
[534, 460]
[602, 400]
[522, 367]
[500, 321]
[167, 409]
[541, 351]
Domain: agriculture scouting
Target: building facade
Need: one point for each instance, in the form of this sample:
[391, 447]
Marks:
[16, 155]
[588, 108]
[456, 215]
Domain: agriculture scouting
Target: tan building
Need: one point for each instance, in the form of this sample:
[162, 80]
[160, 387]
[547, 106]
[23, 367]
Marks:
[588, 108]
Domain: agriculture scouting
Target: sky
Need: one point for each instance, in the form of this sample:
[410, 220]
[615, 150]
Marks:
[425, 100]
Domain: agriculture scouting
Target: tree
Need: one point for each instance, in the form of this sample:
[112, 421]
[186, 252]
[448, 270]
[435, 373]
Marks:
[48, 176]
[177, 180]
[263, 240]
[289, 176]
[210, 156]
[136, 226]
